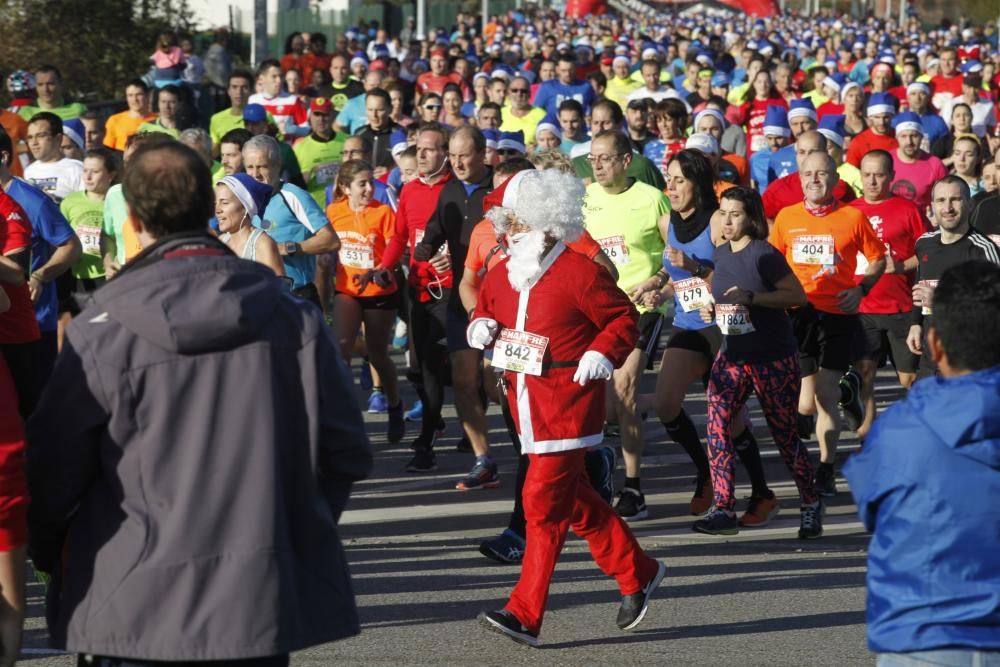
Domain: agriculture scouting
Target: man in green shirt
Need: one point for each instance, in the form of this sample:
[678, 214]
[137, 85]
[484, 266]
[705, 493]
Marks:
[168, 99]
[239, 88]
[319, 154]
[48, 84]
[629, 220]
[607, 116]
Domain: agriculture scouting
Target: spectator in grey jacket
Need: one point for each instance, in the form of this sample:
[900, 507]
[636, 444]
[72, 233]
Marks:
[193, 455]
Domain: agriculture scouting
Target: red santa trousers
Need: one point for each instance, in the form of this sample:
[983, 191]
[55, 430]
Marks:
[557, 496]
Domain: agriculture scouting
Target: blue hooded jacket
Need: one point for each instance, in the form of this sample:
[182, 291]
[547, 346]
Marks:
[928, 485]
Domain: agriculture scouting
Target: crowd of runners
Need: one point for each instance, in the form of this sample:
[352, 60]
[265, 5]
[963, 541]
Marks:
[776, 198]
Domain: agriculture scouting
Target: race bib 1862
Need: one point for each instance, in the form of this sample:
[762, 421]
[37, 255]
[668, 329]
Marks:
[733, 319]
[519, 352]
[813, 249]
[616, 250]
[692, 294]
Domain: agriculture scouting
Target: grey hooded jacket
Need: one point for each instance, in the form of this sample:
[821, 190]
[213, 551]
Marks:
[189, 462]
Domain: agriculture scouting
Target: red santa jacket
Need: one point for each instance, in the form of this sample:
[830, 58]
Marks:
[577, 306]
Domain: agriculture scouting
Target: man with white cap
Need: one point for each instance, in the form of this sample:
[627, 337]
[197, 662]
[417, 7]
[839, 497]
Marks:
[880, 110]
[621, 84]
[916, 172]
[558, 326]
[801, 118]
[918, 96]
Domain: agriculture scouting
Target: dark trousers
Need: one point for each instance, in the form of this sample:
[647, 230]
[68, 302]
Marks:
[427, 328]
[105, 661]
[24, 363]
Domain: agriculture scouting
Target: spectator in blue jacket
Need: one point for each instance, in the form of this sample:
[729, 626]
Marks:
[927, 485]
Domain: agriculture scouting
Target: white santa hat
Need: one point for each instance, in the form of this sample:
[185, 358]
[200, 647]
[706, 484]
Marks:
[547, 200]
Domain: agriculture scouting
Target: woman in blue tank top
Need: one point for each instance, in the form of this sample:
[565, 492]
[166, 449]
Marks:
[693, 343]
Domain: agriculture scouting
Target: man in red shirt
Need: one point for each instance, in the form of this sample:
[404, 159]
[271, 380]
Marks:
[948, 83]
[19, 333]
[438, 77]
[885, 310]
[430, 285]
[787, 190]
[881, 109]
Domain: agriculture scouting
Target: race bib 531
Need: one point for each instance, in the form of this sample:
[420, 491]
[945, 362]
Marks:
[356, 255]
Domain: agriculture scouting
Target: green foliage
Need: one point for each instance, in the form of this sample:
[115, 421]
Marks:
[98, 45]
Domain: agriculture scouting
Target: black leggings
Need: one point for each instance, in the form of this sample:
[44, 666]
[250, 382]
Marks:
[427, 328]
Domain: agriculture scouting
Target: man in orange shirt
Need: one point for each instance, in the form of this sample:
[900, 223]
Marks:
[16, 128]
[821, 239]
[122, 125]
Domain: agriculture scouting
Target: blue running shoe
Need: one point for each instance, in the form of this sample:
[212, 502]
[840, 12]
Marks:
[507, 548]
[377, 403]
[365, 376]
[416, 413]
[482, 476]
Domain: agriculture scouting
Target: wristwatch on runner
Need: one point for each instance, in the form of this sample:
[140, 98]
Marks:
[291, 247]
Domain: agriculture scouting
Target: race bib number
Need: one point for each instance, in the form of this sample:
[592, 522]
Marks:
[356, 255]
[758, 143]
[616, 250]
[928, 310]
[90, 239]
[733, 319]
[692, 294]
[519, 352]
[326, 173]
[817, 249]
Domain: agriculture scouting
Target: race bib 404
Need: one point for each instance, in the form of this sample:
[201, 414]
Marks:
[733, 319]
[692, 294]
[519, 352]
[616, 250]
[814, 249]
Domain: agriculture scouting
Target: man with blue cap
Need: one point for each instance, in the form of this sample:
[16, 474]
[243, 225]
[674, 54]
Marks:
[801, 118]
[777, 133]
[511, 145]
[832, 127]
[881, 108]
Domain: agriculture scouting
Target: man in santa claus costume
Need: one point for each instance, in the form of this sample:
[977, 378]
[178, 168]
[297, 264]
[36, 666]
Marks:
[558, 326]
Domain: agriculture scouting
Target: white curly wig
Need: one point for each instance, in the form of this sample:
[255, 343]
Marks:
[545, 200]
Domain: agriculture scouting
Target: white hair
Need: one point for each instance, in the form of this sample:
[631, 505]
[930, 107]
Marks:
[265, 144]
[547, 200]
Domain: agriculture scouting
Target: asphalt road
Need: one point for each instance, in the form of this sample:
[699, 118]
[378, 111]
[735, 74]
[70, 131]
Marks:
[762, 597]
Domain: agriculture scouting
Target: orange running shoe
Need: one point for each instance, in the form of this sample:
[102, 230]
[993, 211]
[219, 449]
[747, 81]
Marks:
[760, 511]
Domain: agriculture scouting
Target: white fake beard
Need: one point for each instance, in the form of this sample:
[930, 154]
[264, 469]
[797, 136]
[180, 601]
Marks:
[525, 262]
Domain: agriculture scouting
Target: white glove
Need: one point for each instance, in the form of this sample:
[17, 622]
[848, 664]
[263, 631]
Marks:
[482, 332]
[593, 366]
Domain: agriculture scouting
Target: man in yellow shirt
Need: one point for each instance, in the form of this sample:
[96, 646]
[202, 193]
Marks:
[121, 125]
[519, 114]
[240, 87]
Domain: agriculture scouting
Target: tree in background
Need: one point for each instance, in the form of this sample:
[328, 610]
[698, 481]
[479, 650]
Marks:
[98, 45]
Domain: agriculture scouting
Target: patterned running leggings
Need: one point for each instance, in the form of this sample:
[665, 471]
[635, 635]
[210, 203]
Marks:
[777, 386]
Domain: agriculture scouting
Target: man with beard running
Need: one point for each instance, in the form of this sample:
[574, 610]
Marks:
[953, 242]
[558, 326]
